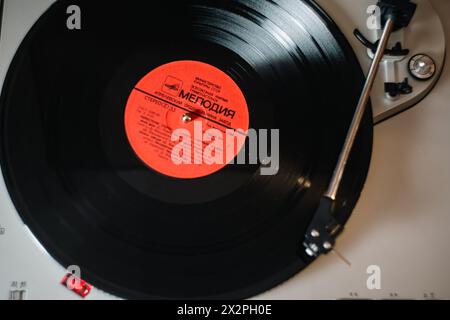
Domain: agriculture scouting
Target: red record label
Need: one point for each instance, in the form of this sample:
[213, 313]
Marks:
[186, 119]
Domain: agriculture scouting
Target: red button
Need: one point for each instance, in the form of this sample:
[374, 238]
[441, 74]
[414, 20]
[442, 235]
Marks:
[79, 286]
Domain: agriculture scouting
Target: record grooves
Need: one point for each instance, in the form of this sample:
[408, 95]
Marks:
[135, 232]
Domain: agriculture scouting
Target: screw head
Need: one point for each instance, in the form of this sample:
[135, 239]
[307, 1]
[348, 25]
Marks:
[328, 246]
[304, 183]
[315, 233]
[309, 252]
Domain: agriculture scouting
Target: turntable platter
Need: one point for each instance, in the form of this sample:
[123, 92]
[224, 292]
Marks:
[136, 232]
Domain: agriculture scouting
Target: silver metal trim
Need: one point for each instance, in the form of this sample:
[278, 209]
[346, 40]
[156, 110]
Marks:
[359, 113]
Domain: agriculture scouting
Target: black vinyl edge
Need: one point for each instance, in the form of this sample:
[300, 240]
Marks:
[20, 206]
[58, 256]
[11, 190]
[16, 197]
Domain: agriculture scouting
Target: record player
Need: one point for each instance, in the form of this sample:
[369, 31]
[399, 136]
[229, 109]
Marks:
[395, 243]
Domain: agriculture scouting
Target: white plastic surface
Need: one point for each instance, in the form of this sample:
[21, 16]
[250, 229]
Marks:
[401, 223]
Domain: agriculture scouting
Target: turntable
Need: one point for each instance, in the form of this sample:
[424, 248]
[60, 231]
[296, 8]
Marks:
[81, 194]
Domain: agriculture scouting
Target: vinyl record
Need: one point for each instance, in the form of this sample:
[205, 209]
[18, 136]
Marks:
[93, 198]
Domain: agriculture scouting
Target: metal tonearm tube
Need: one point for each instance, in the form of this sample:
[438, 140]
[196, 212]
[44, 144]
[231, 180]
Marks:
[321, 235]
[359, 113]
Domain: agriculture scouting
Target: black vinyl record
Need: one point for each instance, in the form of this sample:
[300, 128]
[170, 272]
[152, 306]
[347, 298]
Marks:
[135, 232]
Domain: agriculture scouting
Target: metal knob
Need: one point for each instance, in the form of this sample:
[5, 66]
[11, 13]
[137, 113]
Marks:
[422, 67]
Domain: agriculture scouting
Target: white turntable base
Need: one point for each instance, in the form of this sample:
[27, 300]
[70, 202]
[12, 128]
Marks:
[400, 224]
[402, 221]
